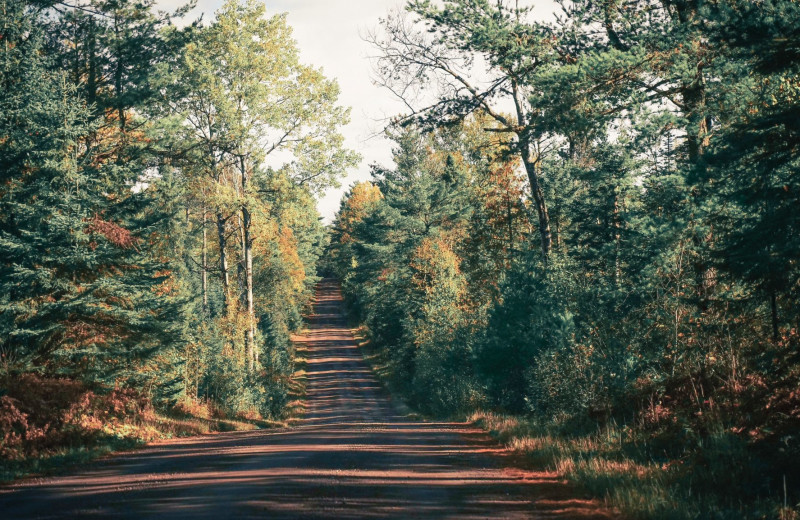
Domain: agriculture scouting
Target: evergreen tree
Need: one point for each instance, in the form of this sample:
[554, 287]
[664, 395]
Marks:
[86, 296]
[754, 156]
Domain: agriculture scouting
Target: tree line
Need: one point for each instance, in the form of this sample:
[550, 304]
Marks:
[158, 228]
[593, 221]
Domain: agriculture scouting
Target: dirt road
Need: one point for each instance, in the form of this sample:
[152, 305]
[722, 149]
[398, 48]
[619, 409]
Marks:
[352, 456]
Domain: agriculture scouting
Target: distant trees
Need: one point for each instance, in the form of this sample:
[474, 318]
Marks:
[418, 249]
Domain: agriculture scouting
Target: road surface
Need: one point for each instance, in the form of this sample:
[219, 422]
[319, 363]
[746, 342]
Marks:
[353, 455]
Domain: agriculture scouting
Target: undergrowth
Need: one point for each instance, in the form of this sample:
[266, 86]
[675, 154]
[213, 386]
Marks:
[48, 425]
[625, 469]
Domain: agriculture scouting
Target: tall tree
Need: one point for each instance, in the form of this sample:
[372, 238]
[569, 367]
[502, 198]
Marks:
[754, 158]
[459, 36]
[85, 292]
[250, 101]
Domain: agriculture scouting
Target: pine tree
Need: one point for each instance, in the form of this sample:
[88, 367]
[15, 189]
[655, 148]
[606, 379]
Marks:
[45, 195]
[443, 42]
[84, 294]
[754, 159]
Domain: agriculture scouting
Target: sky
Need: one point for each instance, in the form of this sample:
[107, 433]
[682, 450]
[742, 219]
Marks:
[329, 36]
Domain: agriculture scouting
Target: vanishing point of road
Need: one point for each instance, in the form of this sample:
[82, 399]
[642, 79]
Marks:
[353, 455]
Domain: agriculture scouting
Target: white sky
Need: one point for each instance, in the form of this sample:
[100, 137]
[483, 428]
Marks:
[328, 34]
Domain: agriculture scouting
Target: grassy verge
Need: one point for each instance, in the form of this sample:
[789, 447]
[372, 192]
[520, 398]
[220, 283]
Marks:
[120, 435]
[296, 407]
[612, 464]
[127, 435]
[378, 361]
[93, 430]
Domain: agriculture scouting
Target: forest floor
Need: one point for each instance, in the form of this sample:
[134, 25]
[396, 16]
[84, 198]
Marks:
[353, 455]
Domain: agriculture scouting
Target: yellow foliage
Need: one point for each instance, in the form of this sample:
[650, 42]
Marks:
[360, 201]
[435, 265]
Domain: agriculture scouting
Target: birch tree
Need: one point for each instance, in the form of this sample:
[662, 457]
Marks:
[254, 104]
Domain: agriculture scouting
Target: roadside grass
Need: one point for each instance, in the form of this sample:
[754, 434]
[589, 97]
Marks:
[629, 470]
[95, 431]
[381, 366]
[183, 420]
[296, 407]
[618, 466]
[55, 462]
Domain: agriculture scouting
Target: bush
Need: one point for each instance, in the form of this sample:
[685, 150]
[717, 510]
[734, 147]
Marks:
[530, 320]
[40, 415]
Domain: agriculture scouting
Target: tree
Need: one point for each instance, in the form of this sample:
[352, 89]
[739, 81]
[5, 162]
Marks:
[356, 205]
[459, 35]
[754, 157]
[250, 99]
[85, 294]
[397, 240]
[111, 50]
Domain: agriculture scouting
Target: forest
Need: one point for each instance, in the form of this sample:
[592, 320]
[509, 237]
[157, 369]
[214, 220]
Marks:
[596, 240]
[588, 243]
[158, 229]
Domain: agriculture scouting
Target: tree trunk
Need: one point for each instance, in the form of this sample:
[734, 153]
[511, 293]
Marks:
[557, 225]
[91, 81]
[773, 301]
[538, 198]
[510, 218]
[241, 277]
[694, 98]
[204, 261]
[248, 268]
[617, 243]
[118, 76]
[223, 259]
[247, 245]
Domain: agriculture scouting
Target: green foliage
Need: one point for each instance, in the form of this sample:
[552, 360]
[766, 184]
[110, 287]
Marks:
[442, 363]
[395, 248]
[85, 290]
[531, 322]
[40, 126]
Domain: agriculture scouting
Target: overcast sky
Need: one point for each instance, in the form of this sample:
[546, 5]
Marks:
[328, 34]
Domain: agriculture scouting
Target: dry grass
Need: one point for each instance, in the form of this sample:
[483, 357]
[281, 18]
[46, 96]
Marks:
[199, 417]
[296, 407]
[379, 363]
[99, 439]
[611, 465]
